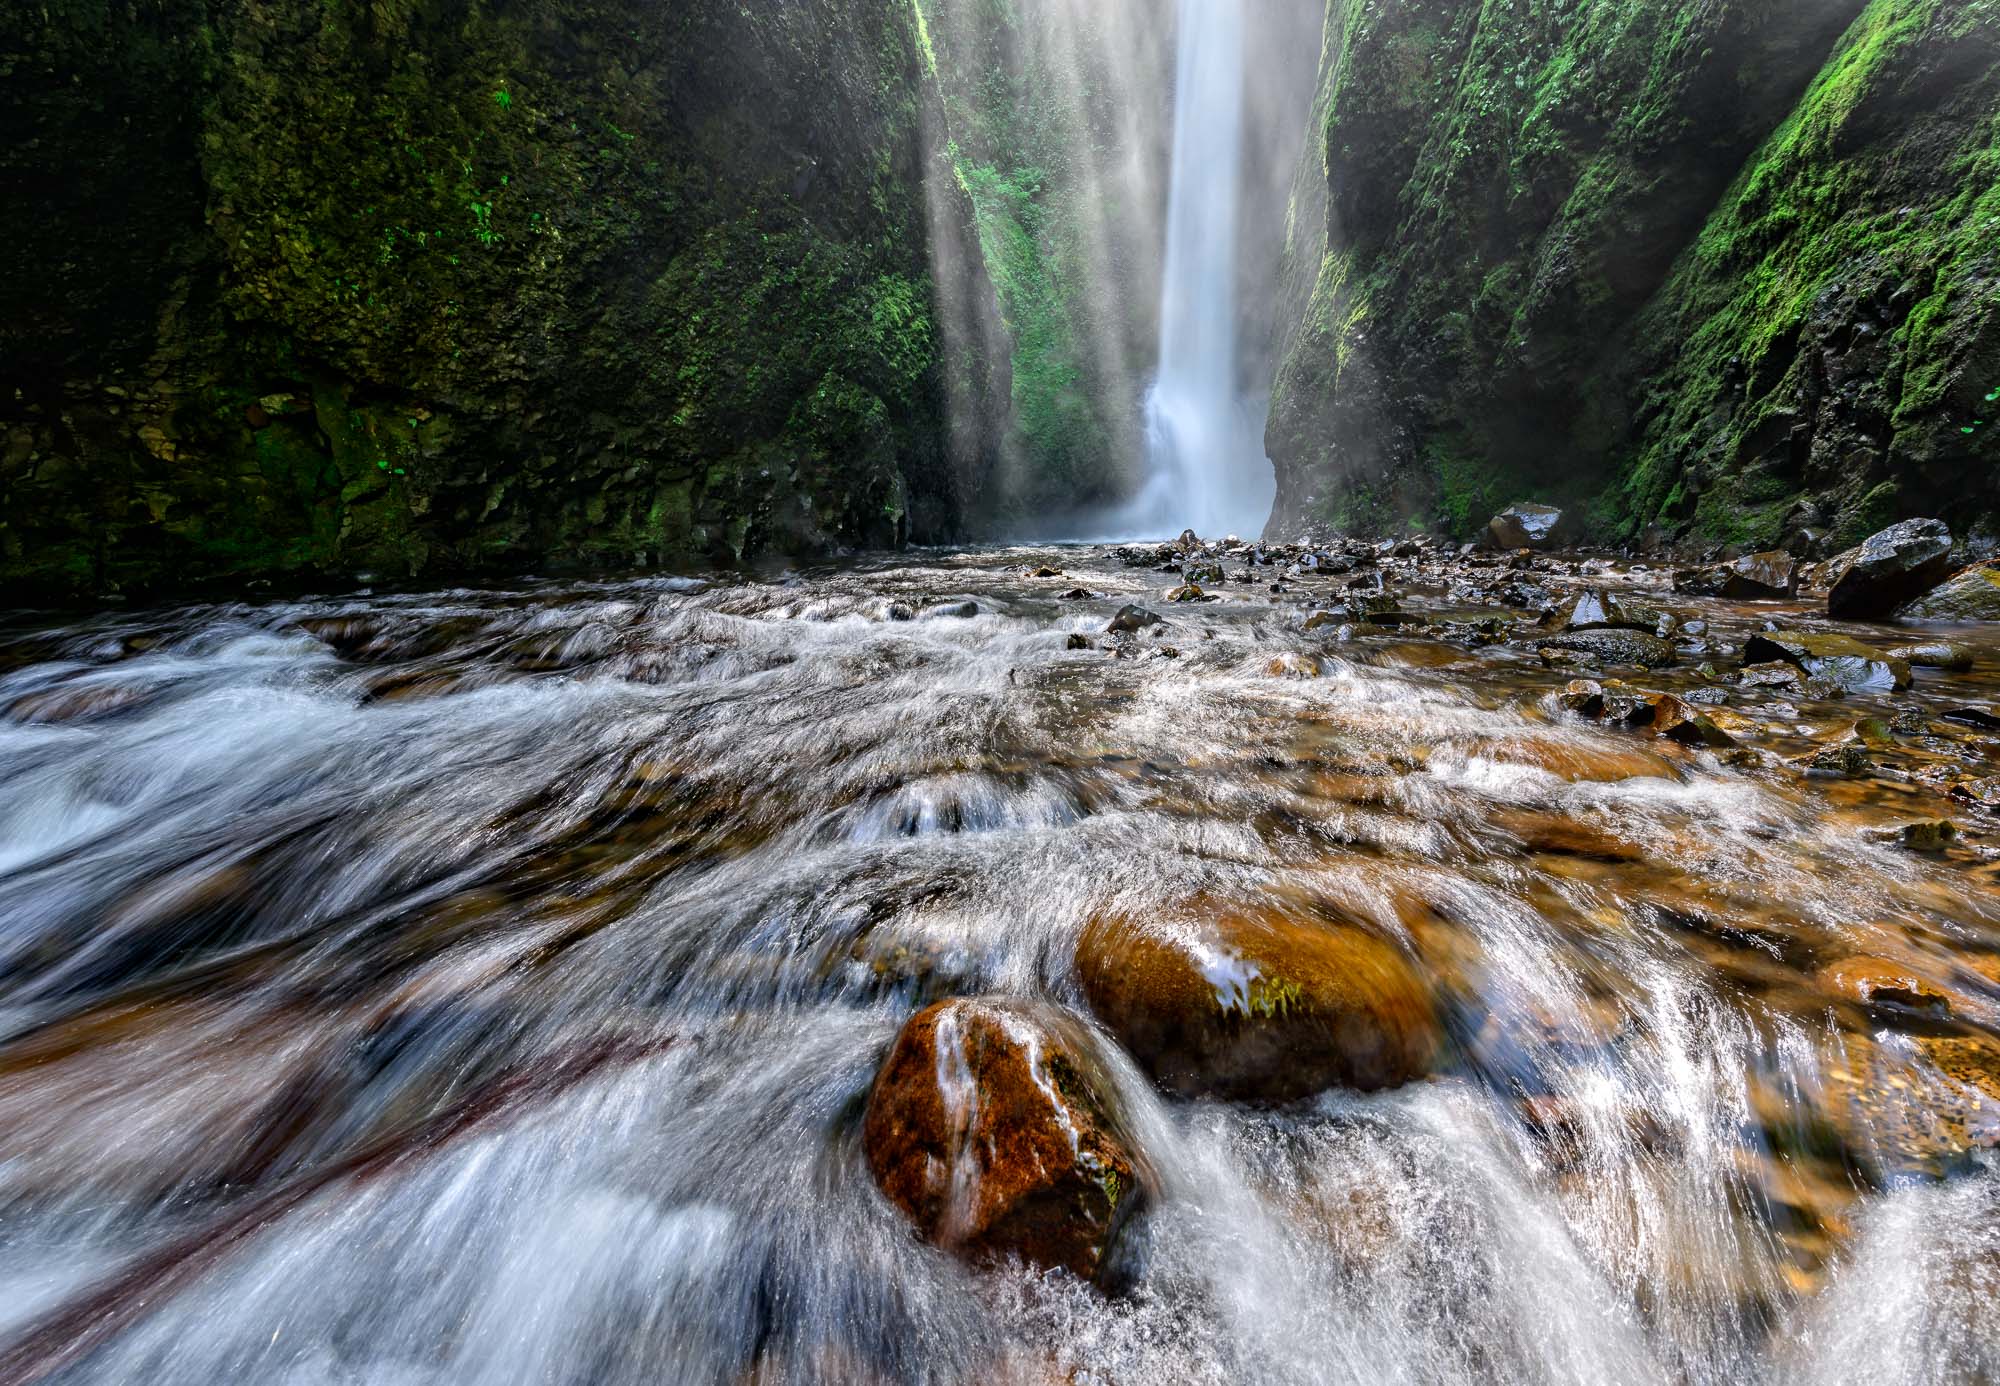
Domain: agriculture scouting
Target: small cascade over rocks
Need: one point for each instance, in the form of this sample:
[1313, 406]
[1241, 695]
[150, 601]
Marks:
[1397, 964]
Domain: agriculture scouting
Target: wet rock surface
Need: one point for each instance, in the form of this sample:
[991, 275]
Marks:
[994, 1128]
[1526, 525]
[1754, 577]
[1386, 944]
[1972, 595]
[1258, 1005]
[1840, 661]
[1889, 569]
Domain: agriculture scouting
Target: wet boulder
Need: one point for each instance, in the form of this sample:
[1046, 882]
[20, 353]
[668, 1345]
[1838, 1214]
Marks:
[1525, 525]
[1972, 715]
[1930, 836]
[1611, 647]
[1259, 1005]
[1132, 619]
[994, 1127]
[1836, 660]
[1754, 577]
[1584, 697]
[1889, 569]
[1936, 654]
[1595, 609]
[1678, 721]
[1844, 758]
[1973, 595]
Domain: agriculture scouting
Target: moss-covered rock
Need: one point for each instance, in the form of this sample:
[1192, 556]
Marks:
[1726, 268]
[445, 285]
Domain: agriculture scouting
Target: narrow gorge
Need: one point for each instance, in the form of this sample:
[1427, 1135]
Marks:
[844, 692]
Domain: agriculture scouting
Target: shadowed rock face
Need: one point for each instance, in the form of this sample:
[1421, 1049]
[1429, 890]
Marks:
[1259, 1005]
[433, 288]
[1889, 569]
[1716, 269]
[1973, 595]
[993, 1126]
[1753, 577]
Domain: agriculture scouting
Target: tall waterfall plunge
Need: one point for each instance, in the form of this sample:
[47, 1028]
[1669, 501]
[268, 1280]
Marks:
[1205, 463]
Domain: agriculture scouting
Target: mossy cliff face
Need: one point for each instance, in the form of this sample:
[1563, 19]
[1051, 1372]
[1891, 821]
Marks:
[435, 286]
[1728, 269]
[1058, 118]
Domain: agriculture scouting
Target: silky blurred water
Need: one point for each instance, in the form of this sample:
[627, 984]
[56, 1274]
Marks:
[287, 889]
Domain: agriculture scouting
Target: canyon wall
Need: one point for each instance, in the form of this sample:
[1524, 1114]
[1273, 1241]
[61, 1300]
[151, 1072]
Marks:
[1727, 271]
[440, 286]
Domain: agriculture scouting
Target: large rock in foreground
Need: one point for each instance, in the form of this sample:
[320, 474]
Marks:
[1901, 562]
[1973, 595]
[1261, 1006]
[994, 1127]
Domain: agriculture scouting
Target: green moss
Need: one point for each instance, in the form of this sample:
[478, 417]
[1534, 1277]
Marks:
[653, 301]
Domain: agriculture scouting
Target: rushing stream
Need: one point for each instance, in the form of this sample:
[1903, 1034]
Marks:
[486, 986]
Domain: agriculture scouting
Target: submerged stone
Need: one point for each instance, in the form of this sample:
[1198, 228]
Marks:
[1937, 654]
[1292, 666]
[994, 1127]
[1838, 660]
[1259, 1005]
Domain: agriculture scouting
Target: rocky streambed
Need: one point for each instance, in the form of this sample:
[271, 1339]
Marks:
[1198, 962]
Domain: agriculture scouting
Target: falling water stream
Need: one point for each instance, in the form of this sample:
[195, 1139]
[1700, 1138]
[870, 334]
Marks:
[1205, 463]
[485, 986]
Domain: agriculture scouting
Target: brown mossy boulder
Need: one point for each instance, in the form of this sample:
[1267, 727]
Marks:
[1259, 1004]
[1839, 660]
[1973, 595]
[993, 1125]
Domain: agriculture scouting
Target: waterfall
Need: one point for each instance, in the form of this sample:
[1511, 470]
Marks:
[1205, 458]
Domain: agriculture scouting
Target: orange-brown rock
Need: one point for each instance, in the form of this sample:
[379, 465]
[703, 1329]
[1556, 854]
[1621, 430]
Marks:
[1259, 1005]
[994, 1126]
[1880, 981]
[1293, 666]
